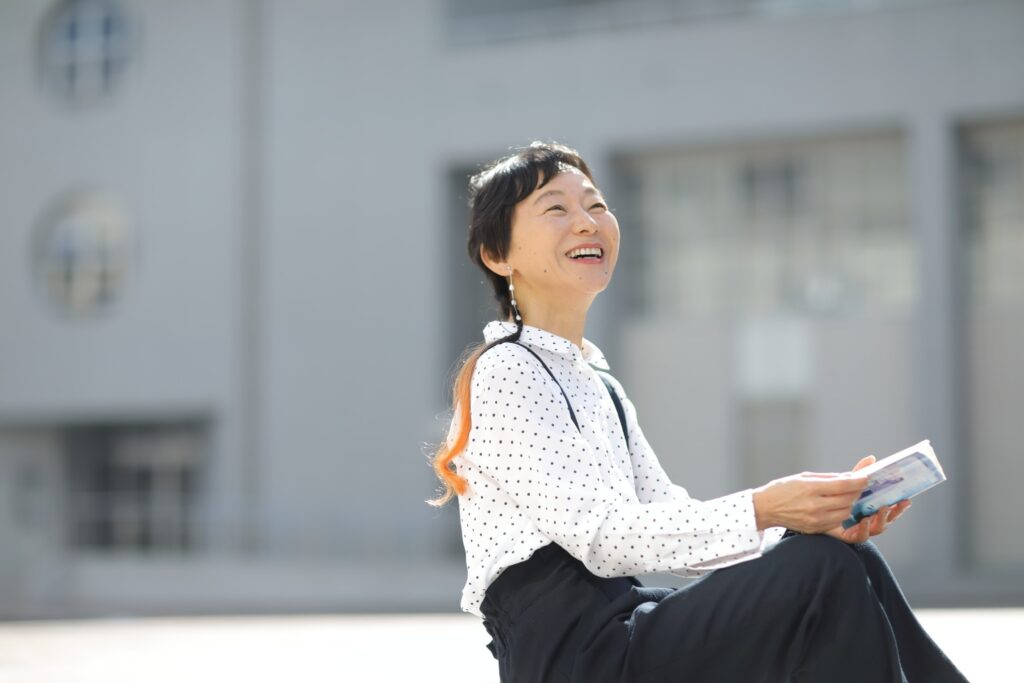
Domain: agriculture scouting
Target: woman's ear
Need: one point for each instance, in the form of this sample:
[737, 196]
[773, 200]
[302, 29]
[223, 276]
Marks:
[496, 266]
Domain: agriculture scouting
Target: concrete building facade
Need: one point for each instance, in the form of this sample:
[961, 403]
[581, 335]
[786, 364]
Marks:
[233, 280]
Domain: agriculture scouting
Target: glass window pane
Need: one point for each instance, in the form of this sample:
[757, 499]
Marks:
[778, 283]
[132, 487]
[813, 227]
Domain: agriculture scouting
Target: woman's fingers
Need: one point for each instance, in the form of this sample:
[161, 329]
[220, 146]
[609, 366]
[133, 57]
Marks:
[864, 462]
[870, 526]
[858, 533]
[886, 516]
[833, 502]
[808, 502]
[825, 475]
[841, 486]
[879, 521]
[898, 509]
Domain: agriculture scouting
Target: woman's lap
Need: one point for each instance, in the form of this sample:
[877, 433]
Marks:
[811, 608]
[752, 621]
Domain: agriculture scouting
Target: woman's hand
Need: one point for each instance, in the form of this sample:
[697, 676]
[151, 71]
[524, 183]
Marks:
[873, 525]
[810, 503]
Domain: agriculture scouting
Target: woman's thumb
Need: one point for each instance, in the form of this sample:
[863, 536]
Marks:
[864, 462]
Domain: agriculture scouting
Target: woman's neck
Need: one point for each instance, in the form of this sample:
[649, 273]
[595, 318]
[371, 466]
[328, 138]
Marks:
[566, 324]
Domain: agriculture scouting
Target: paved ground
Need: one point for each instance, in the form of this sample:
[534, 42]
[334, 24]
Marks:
[420, 648]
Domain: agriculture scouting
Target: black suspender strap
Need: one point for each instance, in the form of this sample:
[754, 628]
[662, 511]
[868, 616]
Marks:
[607, 384]
[617, 402]
[572, 414]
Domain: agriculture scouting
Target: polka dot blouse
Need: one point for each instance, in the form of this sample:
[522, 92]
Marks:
[535, 479]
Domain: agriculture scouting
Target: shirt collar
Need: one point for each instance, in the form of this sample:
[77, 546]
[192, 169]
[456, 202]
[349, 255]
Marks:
[549, 341]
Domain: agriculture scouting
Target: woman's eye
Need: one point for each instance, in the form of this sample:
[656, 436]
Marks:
[556, 207]
[600, 205]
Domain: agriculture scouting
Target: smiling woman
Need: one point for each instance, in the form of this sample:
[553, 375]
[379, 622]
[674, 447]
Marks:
[563, 502]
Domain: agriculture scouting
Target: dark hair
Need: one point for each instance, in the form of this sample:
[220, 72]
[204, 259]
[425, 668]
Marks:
[493, 195]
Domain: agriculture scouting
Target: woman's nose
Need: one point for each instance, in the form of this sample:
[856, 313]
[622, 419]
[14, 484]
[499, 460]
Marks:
[584, 222]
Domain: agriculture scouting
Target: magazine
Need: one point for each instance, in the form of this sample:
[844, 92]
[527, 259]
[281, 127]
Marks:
[898, 477]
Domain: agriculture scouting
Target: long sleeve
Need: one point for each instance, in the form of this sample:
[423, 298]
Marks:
[524, 444]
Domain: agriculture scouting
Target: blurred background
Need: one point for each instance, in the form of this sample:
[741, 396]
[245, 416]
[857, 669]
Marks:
[233, 280]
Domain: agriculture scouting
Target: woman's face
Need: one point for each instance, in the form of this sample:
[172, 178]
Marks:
[550, 227]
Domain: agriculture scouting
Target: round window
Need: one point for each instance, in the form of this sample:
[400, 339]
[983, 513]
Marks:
[83, 254]
[84, 47]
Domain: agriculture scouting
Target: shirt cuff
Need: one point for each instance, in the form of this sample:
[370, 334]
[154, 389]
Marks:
[739, 542]
[771, 536]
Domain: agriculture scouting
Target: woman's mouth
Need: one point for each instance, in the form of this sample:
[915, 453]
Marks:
[586, 254]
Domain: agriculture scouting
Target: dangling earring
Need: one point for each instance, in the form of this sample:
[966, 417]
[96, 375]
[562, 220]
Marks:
[512, 294]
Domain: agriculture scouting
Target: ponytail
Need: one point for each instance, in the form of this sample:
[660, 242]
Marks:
[452, 483]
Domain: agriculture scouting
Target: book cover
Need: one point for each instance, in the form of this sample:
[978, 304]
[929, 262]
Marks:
[898, 477]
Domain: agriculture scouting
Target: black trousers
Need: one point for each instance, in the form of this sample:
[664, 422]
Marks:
[810, 609]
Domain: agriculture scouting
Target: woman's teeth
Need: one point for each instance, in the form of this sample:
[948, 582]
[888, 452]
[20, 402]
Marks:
[588, 251]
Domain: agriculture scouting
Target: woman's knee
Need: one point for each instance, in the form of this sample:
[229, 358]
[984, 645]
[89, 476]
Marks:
[877, 568]
[819, 546]
[869, 554]
[823, 557]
